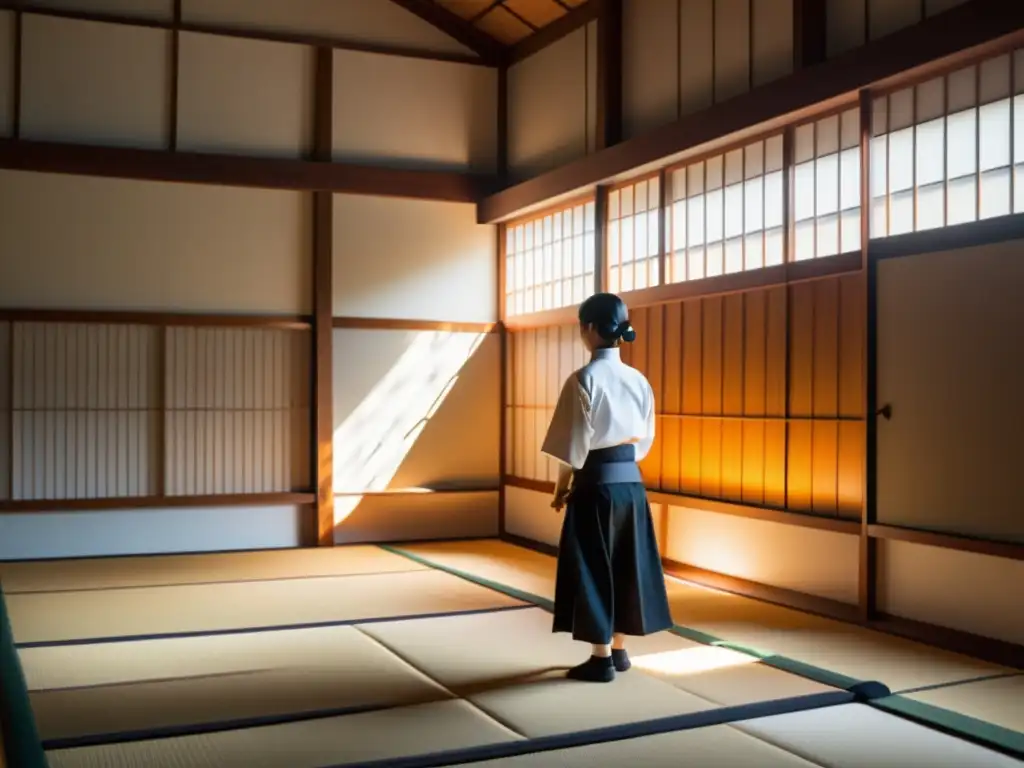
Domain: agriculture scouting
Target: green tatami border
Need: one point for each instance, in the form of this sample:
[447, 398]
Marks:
[875, 693]
[799, 668]
[21, 743]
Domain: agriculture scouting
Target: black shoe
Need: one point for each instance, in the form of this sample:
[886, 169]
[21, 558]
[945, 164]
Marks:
[596, 669]
[620, 659]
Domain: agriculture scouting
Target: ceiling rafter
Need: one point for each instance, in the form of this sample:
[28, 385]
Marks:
[502, 32]
[483, 45]
[556, 30]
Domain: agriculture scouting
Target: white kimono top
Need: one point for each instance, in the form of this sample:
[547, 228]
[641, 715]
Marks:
[604, 404]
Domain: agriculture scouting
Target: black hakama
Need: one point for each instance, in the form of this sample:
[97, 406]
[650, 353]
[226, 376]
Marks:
[609, 577]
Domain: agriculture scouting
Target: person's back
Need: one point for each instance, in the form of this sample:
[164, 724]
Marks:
[621, 403]
[609, 581]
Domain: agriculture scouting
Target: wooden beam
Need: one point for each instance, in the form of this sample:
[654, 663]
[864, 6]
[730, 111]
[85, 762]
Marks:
[1006, 549]
[972, 28]
[484, 46]
[159, 319]
[561, 27]
[810, 33]
[789, 273]
[401, 324]
[491, 5]
[239, 171]
[323, 306]
[158, 502]
[551, 550]
[609, 73]
[441, 491]
[801, 601]
[767, 514]
[988, 649]
[799, 519]
[999, 229]
[247, 33]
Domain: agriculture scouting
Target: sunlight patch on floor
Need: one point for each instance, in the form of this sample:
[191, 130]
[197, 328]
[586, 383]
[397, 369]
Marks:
[691, 661]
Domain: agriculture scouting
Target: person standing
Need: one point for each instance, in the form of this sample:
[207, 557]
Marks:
[610, 582]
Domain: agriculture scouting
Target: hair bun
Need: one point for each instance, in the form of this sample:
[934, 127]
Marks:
[626, 332]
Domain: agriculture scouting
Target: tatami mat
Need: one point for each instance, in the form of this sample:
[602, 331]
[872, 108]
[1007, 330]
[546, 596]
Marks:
[115, 613]
[381, 687]
[496, 561]
[715, 747]
[499, 562]
[999, 701]
[165, 570]
[347, 740]
[512, 666]
[832, 645]
[859, 736]
[162, 685]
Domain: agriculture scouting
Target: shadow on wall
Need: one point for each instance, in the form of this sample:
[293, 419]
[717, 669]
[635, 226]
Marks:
[414, 411]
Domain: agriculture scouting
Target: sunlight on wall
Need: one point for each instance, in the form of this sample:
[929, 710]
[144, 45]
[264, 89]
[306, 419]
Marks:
[691, 661]
[371, 444]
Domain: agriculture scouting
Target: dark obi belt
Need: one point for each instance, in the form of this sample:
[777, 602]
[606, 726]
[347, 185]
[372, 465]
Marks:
[609, 465]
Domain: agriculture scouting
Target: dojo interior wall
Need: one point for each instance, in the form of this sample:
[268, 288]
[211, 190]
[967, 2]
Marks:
[163, 399]
[760, 403]
[724, 369]
[679, 57]
[761, 368]
[682, 56]
[398, 263]
[552, 105]
[852, 23]
[947, 322]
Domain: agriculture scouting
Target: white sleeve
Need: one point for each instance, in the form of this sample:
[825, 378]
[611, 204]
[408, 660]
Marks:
[570, 432]
[643, 447]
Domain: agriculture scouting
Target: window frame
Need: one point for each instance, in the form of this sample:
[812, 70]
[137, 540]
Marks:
[507, 266]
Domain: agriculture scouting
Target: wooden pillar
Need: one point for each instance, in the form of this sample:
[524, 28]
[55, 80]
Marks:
[867, 587]
[323, 311]
[16, 96]
[504, 394]
[502, 133]
[810, 31]
[609, 74]
[161, 458]
[499, 231]
[9, 407]
[175, 69]
[601, 239]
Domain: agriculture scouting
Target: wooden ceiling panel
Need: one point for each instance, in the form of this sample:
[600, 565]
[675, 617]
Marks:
[469, 10]
[503, 26]
[538, 13]
[507, 22]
